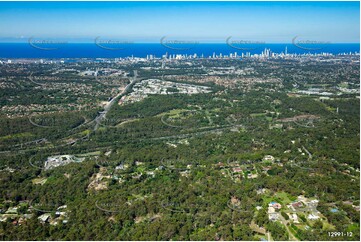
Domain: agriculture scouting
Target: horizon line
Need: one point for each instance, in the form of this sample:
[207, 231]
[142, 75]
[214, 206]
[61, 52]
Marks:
[197, 43]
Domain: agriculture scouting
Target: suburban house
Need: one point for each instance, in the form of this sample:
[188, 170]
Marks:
[313, 217]
[275, 205]
[272, 215]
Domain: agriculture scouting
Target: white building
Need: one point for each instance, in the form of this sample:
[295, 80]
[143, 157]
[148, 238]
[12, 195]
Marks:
[313, 217]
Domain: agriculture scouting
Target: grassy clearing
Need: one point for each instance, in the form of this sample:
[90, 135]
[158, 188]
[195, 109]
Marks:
[89, 154]
[281, 197]
[269, 119]
[253, 115]
[175, 113]
[16, 136]
[40, 181]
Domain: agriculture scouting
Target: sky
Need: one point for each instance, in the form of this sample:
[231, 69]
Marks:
[278, 22]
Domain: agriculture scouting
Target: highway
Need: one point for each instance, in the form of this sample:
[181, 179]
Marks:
[108, 106]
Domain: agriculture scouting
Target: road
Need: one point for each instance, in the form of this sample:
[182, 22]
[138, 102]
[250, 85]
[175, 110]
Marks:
[283, 220]
[38, 125]
[97, 120]
[31, 79]
[308, 153]
[107, 107]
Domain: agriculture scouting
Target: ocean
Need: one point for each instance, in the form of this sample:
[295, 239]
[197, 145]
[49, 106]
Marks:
[93, 50]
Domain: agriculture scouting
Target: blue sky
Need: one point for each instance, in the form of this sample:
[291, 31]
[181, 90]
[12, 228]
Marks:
[337, 22]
